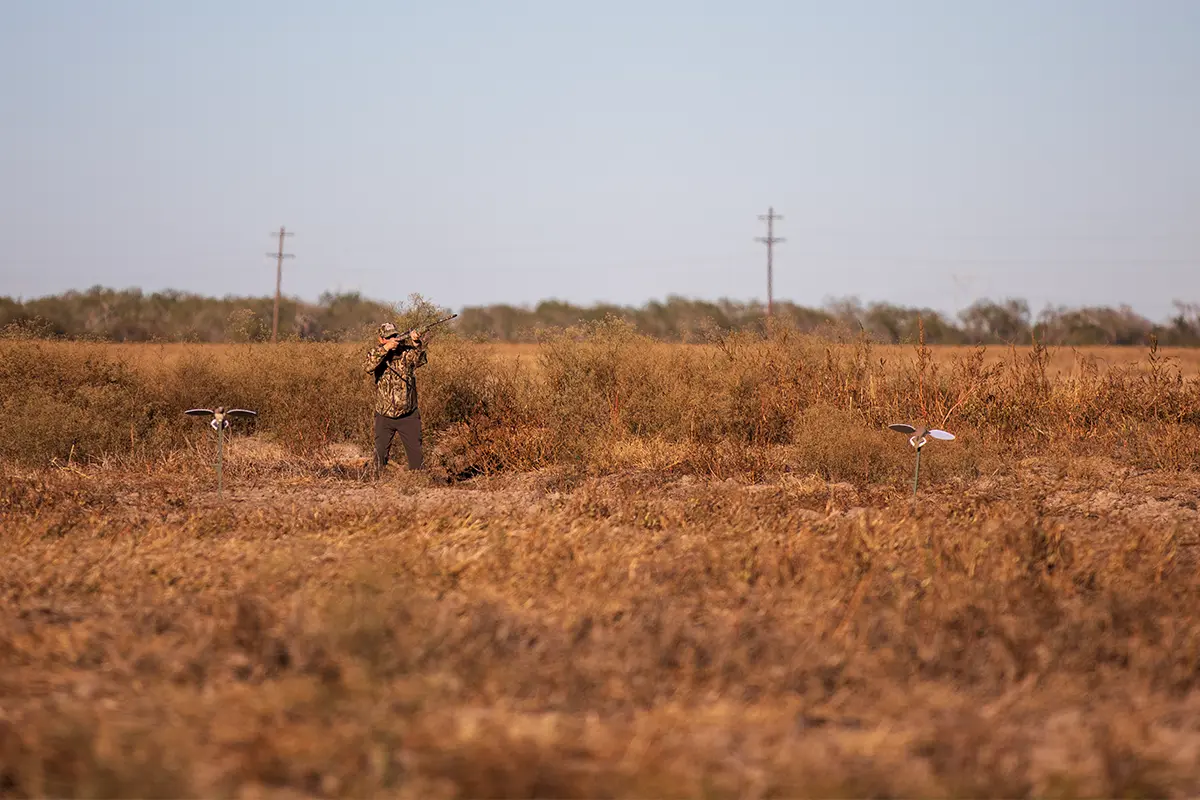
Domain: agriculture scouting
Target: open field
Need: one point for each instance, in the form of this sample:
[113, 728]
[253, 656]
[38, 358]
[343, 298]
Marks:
[628, 571]
[1062, 360]
[1030, 633]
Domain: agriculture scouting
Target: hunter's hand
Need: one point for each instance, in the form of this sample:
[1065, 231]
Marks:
[415, 337]
[391, 344]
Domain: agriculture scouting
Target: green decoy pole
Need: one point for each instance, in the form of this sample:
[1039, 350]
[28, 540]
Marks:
[220, 421]
[916, 476]
[221, 448]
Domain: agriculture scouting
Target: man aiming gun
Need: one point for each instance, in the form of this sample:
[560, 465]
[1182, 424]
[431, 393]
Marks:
[393, 362]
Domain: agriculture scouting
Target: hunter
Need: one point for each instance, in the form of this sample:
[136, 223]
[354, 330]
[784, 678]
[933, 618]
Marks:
[393, 362]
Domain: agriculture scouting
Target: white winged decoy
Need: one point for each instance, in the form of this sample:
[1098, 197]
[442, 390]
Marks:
[918, 437]
[219, 422]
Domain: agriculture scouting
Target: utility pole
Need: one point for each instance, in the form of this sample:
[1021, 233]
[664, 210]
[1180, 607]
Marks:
[771, 239]
[279, 257]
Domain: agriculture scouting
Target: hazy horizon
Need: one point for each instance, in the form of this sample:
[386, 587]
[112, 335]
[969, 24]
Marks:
[825, 304]
[925, 154]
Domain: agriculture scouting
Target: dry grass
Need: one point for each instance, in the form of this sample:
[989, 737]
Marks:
[1062, 360]
[630, 572]
[721, 406]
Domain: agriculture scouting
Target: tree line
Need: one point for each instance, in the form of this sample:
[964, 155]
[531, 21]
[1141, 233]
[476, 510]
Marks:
[131, 315]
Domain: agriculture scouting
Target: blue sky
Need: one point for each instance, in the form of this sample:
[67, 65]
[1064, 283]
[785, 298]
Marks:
[924, 153]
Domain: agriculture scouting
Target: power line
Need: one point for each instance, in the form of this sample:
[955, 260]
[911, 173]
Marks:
[279, 257]
[770, 239]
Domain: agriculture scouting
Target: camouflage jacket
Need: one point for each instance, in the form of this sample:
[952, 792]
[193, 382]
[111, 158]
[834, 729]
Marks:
[395, 381]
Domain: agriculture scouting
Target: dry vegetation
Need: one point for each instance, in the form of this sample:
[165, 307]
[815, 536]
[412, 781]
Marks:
[631, 570]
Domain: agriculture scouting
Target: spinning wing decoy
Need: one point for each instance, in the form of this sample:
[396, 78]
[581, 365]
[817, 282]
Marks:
[220, 416]
[918, 439]
[221, 420]
[919, 434]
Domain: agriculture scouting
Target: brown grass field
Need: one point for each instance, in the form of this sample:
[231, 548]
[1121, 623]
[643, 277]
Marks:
[1061, 360]
[629, 570]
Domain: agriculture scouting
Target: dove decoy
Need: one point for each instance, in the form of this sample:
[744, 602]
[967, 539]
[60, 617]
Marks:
[220, 416]
[919, 435]
[220, 422]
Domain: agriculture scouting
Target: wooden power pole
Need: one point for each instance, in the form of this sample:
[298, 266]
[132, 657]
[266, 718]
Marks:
[279, 257]
[771, 240]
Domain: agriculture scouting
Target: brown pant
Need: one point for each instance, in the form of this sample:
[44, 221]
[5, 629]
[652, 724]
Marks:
[409, 428]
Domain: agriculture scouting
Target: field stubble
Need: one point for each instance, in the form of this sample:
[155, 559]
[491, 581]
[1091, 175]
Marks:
[629, 572]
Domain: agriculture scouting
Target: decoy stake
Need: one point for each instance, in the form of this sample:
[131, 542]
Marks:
[220, 421]
[918, 437]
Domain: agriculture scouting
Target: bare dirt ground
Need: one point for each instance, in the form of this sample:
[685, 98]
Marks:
[1027, 632]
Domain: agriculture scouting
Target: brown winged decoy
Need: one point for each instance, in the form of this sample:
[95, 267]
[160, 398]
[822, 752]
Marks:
[220, 417]
[918, 434]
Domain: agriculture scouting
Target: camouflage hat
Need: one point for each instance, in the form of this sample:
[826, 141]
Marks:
[388, 331]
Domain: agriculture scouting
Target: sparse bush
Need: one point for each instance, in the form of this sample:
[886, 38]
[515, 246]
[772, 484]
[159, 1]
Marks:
[244, 325]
